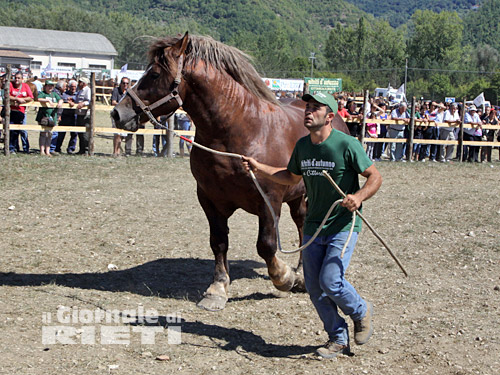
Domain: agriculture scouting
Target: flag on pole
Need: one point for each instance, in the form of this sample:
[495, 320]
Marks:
[124, 68]
[48, 67]
[479, 100]
[401, 89]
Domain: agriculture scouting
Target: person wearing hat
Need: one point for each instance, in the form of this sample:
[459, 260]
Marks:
[47, 115]
[344, 158]
[471, 153]
[82, 100]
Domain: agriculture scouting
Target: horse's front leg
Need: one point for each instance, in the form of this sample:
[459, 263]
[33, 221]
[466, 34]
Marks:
[280, 273]
[298, 210]
[215, 297]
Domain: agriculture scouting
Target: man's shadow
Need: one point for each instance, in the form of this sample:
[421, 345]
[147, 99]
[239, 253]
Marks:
[180, 278]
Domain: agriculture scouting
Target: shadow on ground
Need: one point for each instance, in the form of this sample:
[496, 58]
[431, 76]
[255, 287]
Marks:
[182, 278]
[232, 339]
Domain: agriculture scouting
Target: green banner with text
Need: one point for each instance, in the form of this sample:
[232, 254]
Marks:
[326, 85]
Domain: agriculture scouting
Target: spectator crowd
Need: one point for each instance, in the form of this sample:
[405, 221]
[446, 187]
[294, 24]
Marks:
[427, 115]
[76, 93]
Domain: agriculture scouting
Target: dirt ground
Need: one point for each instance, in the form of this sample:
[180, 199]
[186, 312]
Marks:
[84, 233]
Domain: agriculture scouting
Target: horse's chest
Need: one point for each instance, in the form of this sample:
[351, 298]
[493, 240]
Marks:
[217, 177]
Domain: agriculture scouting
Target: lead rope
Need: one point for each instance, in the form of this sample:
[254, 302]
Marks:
[266, 199]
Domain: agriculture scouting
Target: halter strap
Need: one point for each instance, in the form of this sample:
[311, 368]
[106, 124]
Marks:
[173, 95]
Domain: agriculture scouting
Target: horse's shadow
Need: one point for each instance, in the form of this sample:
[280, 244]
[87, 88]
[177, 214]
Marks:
[180, 278]
[232, 339]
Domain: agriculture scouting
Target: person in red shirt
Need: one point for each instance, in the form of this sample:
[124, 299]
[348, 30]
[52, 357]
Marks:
[342, 111]
[20, 93]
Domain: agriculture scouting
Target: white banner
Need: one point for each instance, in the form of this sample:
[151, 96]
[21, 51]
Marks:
[133, 75]
[280, 84]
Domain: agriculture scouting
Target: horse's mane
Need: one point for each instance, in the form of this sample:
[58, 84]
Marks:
[222, 57]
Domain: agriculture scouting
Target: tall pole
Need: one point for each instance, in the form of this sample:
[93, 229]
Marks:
[312, 58]
[406, 74]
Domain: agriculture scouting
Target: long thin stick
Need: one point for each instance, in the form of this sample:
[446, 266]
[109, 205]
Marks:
[329, 178]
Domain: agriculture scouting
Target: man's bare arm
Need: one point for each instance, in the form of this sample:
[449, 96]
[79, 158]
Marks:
[277, 174]
[373, 181]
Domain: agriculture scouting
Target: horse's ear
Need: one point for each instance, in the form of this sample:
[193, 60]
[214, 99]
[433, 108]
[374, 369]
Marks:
[179, 48]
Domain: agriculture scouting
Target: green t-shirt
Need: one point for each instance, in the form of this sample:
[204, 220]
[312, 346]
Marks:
[48, 112]
[343, 157]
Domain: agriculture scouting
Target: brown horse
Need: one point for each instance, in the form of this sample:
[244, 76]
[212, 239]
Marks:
[234, 112]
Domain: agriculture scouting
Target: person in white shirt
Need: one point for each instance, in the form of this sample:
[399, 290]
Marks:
[397, 130]
[82, 100]
[451, 116]
[470, 153]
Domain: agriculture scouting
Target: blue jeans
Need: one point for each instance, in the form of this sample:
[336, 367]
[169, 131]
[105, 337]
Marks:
[329, 291]
[397, 149]
[53, 142]
[157, 146]
[18, 117]
[184, 125]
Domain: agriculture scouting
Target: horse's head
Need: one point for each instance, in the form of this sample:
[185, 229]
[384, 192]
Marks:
[160, 89]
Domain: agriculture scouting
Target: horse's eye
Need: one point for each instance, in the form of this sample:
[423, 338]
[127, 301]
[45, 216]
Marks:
[155, 75]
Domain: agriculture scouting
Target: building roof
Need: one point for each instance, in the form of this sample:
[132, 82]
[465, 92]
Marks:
[15, 54]
[25, 39]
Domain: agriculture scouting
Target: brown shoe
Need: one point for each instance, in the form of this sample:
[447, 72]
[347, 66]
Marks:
[332, 349]
[363, 328]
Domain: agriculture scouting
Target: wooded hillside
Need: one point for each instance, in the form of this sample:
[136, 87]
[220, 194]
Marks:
[452, 49]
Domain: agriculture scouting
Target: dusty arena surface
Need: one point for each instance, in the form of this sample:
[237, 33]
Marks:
[84, 234]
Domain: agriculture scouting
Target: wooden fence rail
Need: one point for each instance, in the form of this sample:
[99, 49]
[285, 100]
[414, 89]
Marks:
[92, 129]
[422, 123]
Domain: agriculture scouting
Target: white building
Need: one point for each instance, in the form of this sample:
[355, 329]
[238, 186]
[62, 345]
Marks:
[64, 50]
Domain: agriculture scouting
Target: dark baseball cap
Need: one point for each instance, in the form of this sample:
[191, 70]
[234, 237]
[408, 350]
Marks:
[323, 98]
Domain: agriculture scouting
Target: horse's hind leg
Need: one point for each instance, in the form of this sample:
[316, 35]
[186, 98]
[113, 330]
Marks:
[215, 297]
[298, 210]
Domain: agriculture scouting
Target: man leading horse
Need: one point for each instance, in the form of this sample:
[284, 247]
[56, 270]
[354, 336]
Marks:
[326, 148]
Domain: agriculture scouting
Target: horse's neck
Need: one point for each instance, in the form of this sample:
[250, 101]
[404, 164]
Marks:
[216, 102]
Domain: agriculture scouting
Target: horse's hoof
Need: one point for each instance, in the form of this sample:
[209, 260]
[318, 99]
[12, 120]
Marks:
[288, 283]
[212, 302]
[300, 285]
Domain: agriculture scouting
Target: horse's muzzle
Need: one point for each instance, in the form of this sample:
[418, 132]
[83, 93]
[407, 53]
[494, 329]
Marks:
[121, 121]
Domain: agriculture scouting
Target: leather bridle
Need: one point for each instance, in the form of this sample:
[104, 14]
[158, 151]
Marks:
[174, 95]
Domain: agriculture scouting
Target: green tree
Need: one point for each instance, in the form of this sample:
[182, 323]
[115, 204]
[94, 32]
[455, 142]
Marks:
[440, 86]
[482, 26]
[435, 40]
[371, 46]
[485, 58]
